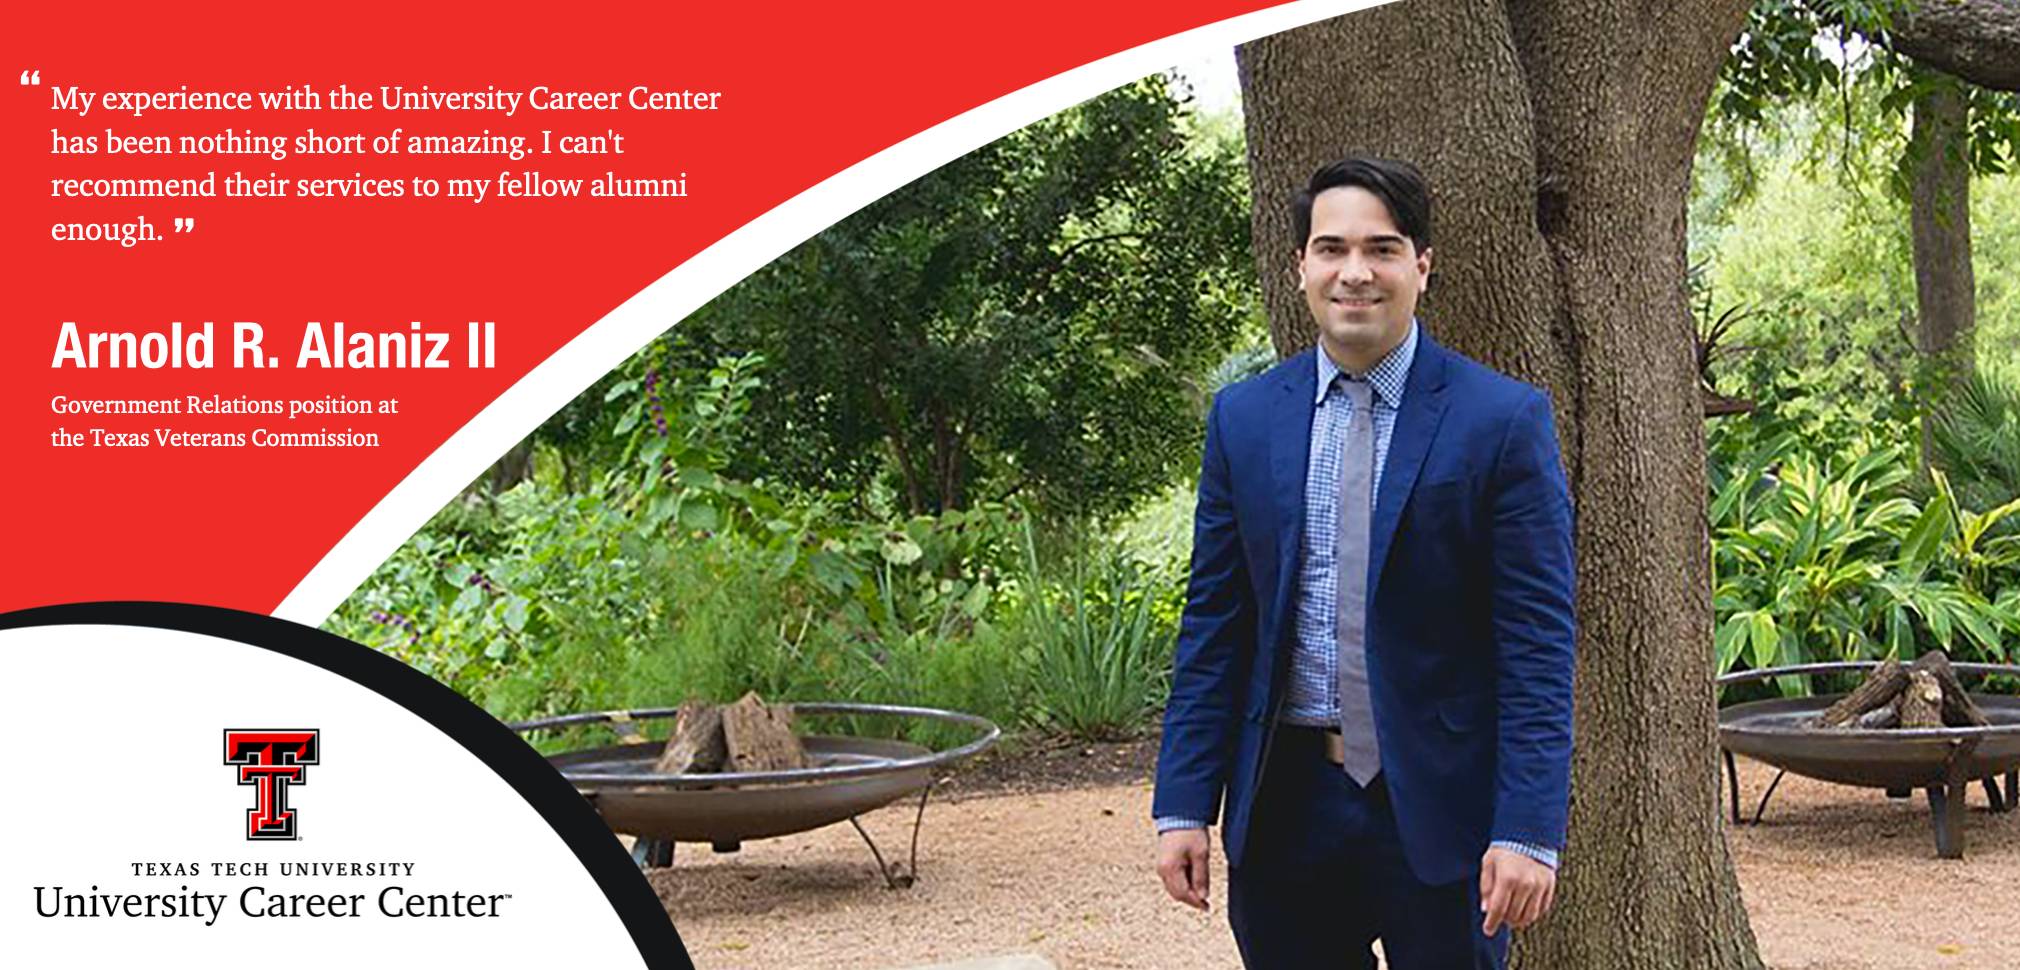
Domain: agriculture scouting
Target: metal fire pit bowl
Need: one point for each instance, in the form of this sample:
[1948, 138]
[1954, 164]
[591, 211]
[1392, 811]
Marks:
[1941, 761]
[850, 776]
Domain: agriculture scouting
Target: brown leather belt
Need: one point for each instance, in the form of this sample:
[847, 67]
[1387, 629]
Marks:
[1330, 740]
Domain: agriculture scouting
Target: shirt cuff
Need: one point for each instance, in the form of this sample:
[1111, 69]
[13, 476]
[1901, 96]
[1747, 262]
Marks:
[1171, 823]
[1543, 854]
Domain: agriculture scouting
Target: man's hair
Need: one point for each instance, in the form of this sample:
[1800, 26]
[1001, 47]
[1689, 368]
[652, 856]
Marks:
[1398, 184]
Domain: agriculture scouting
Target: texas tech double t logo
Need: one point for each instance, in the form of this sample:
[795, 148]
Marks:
[271, 760]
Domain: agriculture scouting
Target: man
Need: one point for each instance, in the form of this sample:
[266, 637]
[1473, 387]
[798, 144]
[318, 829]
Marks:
[1372, 687]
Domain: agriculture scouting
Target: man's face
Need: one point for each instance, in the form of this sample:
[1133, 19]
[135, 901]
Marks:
[1361, 276]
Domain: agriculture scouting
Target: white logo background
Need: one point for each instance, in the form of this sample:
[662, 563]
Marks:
[115, 756]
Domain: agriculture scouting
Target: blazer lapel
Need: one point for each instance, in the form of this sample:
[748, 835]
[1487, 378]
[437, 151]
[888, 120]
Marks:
[1416, 426]
[1290, 424]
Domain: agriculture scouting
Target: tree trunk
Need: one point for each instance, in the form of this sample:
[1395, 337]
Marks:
[1939, 214]
[1557, 136]
[946, 460]
[513, 467]
[894, 435]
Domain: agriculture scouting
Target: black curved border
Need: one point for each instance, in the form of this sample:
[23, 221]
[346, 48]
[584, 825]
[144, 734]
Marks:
[482, 735]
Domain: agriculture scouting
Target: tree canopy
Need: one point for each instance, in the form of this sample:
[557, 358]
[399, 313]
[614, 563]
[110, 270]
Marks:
[1032, 318]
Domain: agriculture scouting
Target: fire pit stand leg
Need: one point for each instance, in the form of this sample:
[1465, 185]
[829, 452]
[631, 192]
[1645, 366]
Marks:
[1946, 809]
[895, 878]
[652, 853]
[1946, 800]
[883, 869]
[1732, 782]
[1993, 796]
[918, 819]
[1762, 808]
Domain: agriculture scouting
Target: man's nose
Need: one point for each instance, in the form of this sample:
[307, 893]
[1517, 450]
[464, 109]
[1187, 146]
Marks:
[1355, 270]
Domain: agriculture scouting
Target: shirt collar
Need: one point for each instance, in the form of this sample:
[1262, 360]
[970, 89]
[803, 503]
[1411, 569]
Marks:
[1388, 375]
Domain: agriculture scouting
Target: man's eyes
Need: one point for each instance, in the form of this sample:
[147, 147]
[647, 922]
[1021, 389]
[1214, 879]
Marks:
[1378, 251]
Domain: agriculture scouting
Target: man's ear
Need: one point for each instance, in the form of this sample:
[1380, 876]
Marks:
[1424, 266]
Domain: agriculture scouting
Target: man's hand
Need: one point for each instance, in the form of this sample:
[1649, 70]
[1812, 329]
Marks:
[1514, 889]
[1182, 856]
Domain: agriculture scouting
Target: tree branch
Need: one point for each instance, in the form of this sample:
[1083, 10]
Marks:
[1977, 40]
[1042, 277]
[1093, 240]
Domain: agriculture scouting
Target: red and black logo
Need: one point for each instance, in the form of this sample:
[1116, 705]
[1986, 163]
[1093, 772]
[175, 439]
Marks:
[271, 760]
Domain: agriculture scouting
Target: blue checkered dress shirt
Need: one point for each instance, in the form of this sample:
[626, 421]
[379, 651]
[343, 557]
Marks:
[1313, 699]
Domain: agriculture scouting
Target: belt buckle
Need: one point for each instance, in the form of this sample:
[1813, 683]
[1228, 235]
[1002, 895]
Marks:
[1336, 747]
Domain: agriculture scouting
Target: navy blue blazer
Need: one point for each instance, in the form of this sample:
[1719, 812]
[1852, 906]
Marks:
[1470, 611]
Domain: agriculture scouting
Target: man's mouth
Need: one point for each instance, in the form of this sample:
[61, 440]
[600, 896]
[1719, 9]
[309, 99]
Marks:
[1356, 302]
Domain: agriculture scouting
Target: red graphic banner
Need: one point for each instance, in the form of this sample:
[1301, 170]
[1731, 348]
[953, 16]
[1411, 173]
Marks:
[149, 220]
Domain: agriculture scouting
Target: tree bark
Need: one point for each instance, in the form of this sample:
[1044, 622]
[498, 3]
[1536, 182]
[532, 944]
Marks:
[513, 467]
[1939, 217]
[894, 435]
[1557, 136]
[1977, 40]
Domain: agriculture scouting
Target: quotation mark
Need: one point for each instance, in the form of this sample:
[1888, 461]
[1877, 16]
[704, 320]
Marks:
[185, 224]
[31, 77]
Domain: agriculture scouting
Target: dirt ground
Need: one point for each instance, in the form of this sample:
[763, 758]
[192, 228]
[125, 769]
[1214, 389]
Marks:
[1049, 853]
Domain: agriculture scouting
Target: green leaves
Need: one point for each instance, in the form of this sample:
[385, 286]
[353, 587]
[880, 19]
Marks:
[900, 550]
[515, 613]
[1029, 320]
[1749, 634]
[1777, 57]
[1830, 559]
[1835, 54]
[1976, 433]
[697, 513]
[1924, 540]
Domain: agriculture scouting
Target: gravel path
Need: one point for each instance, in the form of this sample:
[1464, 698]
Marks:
[1835, 879]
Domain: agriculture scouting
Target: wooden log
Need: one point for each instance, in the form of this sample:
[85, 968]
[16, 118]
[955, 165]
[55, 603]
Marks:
[1879, 718]
[760, 736]
[1878, 690]
[1922, 702]
[697, 745]
[1959, 710]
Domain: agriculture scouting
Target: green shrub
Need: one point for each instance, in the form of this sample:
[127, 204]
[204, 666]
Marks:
[1828, 558]
[1096, 644]
[1976, 433]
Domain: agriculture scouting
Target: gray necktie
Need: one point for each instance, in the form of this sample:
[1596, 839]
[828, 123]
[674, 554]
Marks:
[1357, 477]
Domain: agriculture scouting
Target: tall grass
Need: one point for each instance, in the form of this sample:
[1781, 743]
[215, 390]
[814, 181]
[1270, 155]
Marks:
[1098, 652]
